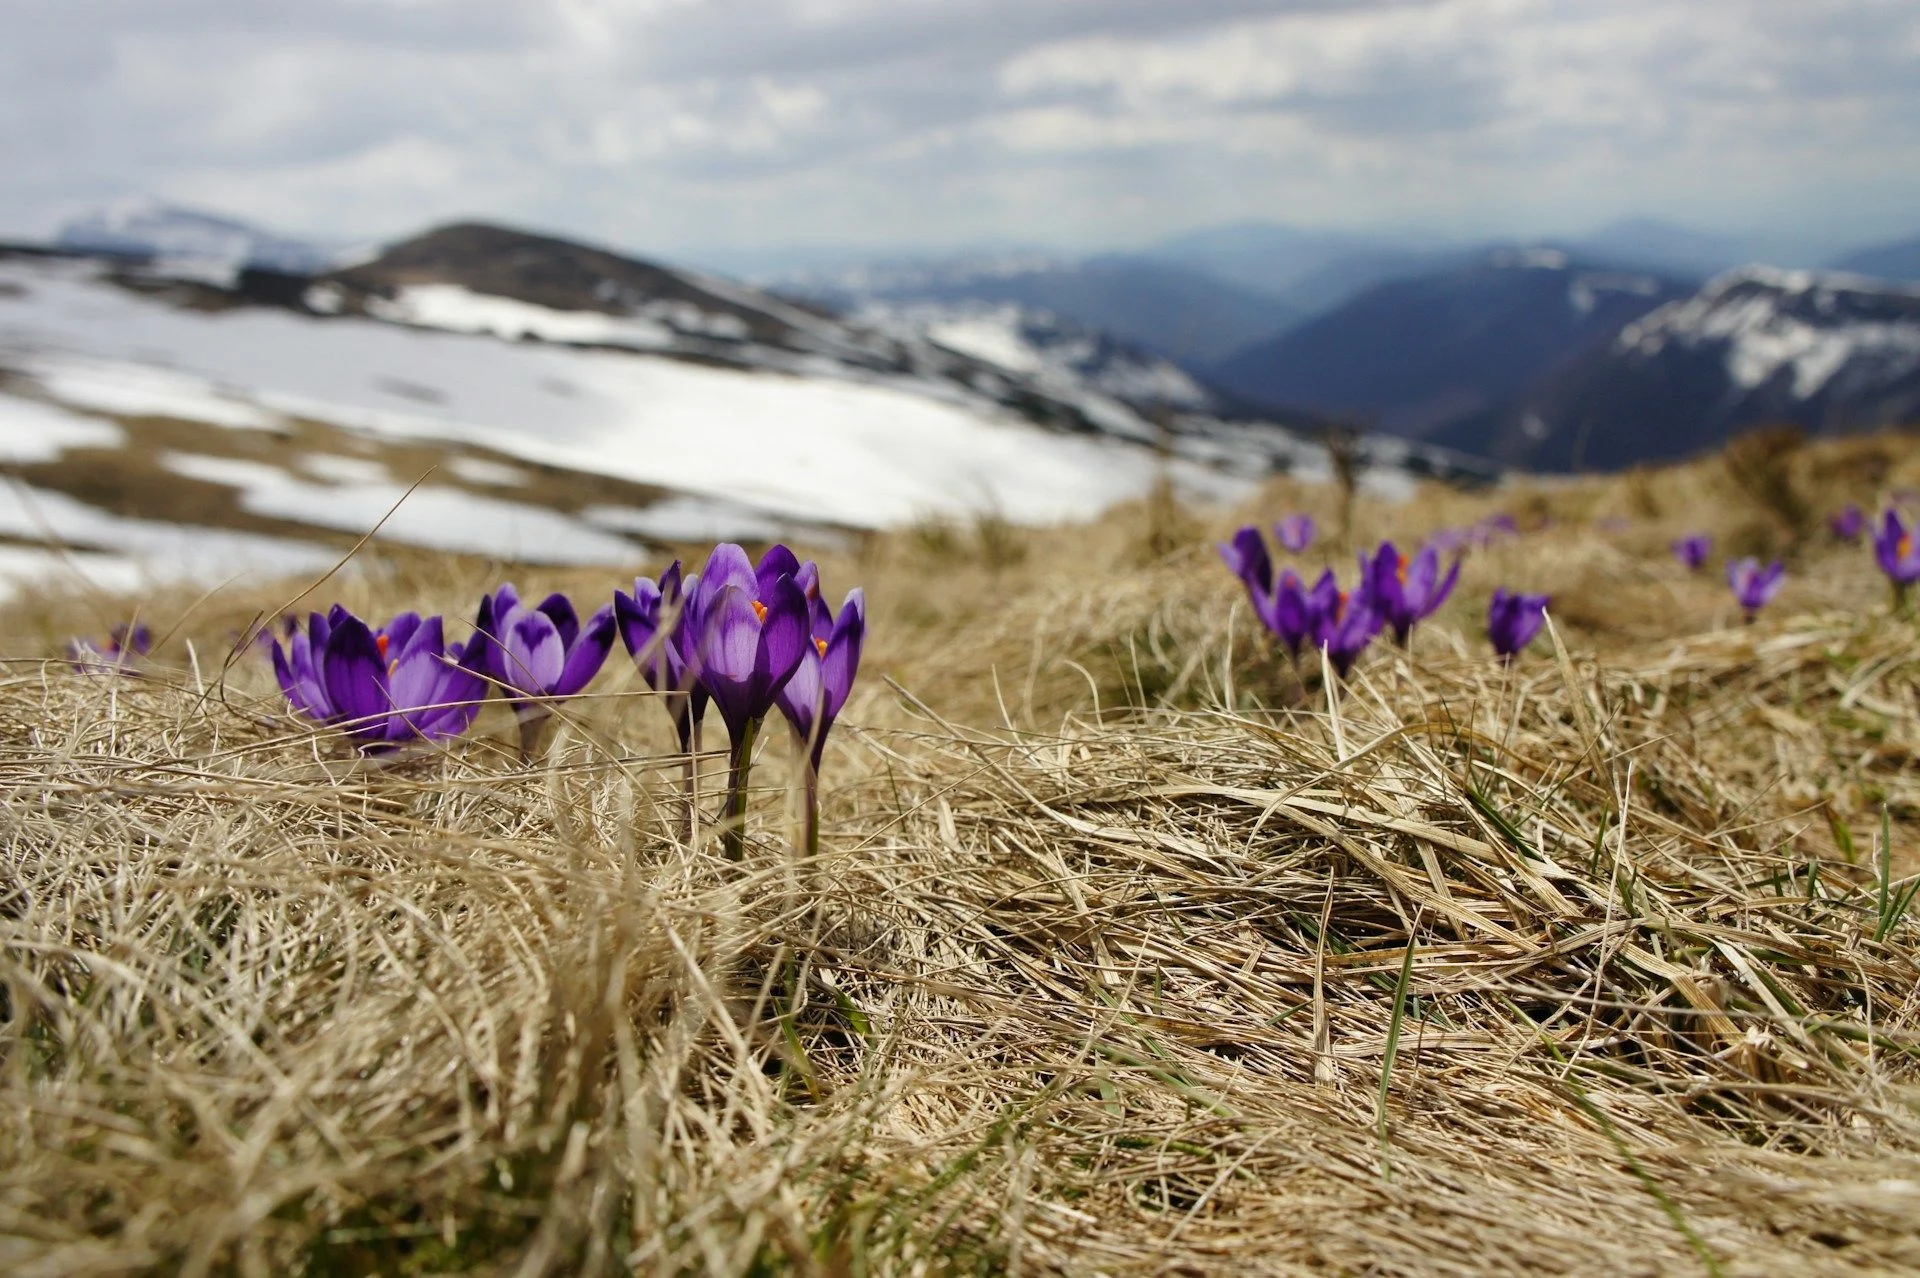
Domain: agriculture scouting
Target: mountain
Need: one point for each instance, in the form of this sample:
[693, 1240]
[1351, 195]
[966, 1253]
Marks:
[1170, 309]
[529, 399]
[1285, 261]
[1651, 244]
[1897, 261]
[1754, 346]
[1054, 352]
[189, 240]
[1412, 355]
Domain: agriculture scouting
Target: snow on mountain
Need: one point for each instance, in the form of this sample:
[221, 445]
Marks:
[1824, 350]
[1061, 355]
[1166, 308]
[574, 405]
[187, 242]
[1806, 325]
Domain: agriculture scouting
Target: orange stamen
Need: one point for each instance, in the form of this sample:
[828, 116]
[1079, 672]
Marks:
[382, 641]
[759, 610]
[821, 644]
[1905, 547]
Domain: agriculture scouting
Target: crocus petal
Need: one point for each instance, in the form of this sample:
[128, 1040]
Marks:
[534, 655]
[841, 663]
[559, 610]
[415, 676]
[587, 655]
[399, 632]
[803, 699]
[785, 638]
[1246, 556]
[355, 677]
[726, 655]
[728, 565]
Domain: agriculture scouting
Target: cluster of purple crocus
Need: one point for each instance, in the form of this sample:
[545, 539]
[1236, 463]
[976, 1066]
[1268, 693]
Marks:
[1754, 585]
[1390, 592]
[124, 645]
[746, 639]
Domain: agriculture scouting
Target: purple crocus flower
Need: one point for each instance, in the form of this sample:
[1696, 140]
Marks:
[386, 685]
[1346, 624]
[665, 657]
[1753, 586]
[1405, 592]
[1289, 612]
[1849, 524]
[1296, 532]
[1693, 551]
[124, 643]
[1247, 557]
[750, 629]
[540, 654]
[1513, 620]
[813, 698]
[1893, 546]
[543, 651]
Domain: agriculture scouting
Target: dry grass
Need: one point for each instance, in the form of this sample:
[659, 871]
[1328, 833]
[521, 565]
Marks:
[1124, 952]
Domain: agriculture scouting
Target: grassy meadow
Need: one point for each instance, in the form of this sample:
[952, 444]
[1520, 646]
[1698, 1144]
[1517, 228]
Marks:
[1126, 950]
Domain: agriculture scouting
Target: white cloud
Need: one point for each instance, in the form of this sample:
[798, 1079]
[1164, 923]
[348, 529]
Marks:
[682, 125]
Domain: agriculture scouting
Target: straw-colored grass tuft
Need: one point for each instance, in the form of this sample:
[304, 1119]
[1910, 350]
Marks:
[1128, 948]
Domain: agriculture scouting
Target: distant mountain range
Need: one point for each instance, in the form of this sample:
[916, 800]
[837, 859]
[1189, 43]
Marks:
[1898, 261]
[1755, 346]
[1173, 310]
[1241, 342]
[1411, 356]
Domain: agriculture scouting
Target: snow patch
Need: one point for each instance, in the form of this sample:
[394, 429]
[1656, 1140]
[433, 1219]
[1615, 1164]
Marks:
[32, 431]
[131, 553]
[457, 309]
[438, 518]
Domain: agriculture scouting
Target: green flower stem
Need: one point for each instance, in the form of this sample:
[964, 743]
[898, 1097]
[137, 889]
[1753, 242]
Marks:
[733, 832]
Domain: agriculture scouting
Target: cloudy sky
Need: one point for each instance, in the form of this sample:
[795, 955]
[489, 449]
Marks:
[714, 129]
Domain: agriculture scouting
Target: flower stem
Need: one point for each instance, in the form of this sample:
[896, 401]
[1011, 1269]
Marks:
[812, 809]
[733, 831]
[532, 721]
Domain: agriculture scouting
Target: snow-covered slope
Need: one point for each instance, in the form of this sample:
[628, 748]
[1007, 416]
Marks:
[1058, 354]
[1823, 350]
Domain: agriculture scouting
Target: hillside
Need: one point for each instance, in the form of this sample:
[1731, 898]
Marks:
[1412, 355]
[1828, 353]
[1122, 951]
[1178, 313]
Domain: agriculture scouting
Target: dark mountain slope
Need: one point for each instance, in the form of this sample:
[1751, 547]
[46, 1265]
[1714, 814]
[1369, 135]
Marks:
[1412, 355]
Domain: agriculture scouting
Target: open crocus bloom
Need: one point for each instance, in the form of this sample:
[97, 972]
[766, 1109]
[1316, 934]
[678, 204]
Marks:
[1289, 612]
[1247, 558]
[812, 699]
[1345, 626]
[1296, 532]
[653, 625]
[1693, 551]
[384, 686]
[1849, 524]
[1895, 548]
[1514, 619]
[1406, 592]
[543, 651]
[749, 634]
[1753, 586]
